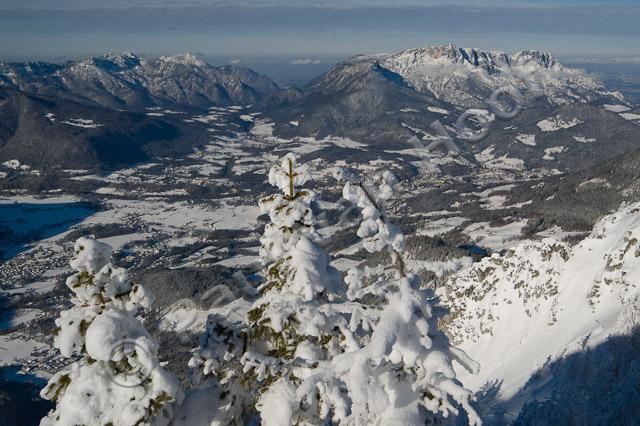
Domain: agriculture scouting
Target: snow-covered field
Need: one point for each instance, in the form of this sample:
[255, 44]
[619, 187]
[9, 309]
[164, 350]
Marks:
[556, 123]
[527, 139]
[82, 122]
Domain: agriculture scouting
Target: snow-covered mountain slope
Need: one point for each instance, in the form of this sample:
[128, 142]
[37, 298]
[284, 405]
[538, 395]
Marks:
[128, 81]
[363, 101]
[467, 77]
[542, 301]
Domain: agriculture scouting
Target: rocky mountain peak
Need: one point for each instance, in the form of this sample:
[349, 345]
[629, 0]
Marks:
[112, 62]
[467, 76]
[188, 59]
[544, 59]
[491, 60]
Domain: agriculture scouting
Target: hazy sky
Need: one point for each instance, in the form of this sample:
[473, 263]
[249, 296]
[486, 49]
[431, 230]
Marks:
[308, 31]
[120, 4]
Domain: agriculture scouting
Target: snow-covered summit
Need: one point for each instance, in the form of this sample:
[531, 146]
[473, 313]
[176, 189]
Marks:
[542, 58]
[100, 67]
[488, 59]
[115, 61]
[188, 59]
[128, 61]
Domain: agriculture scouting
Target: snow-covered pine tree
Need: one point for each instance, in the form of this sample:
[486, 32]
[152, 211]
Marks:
[118, 380]
[293, 325]
[248, 364]
[402, 373]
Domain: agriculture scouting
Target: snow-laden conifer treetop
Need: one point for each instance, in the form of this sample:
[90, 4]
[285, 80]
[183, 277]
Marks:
[118, 380]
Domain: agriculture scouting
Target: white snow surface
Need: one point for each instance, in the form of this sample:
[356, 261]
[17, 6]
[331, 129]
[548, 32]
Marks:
[82, 122]
[548, 152]
[438, 110]
[583, 139]
[616, 107]
[15, 165]
[543, 300]
[527, 139]
[552, 124]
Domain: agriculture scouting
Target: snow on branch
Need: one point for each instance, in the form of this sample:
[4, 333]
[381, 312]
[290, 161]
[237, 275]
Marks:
[377, 231]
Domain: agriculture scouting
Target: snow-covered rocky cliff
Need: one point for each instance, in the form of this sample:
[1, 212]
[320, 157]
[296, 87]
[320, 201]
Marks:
[522, 313]
[467, 77]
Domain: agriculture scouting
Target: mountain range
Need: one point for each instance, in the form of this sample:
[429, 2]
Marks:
[386, 101]
[126, 81]
[97, 113]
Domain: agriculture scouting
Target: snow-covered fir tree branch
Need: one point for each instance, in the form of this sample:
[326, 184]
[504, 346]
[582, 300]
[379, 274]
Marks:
[376, 229]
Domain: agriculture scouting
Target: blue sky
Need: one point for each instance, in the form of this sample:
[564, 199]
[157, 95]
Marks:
[574, 30]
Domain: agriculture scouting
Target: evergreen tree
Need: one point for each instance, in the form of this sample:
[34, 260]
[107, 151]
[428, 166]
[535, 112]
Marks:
[402, 372]
[293, 325]
[218, 374]
[315, 351]
[290, 323]
[118, 380]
